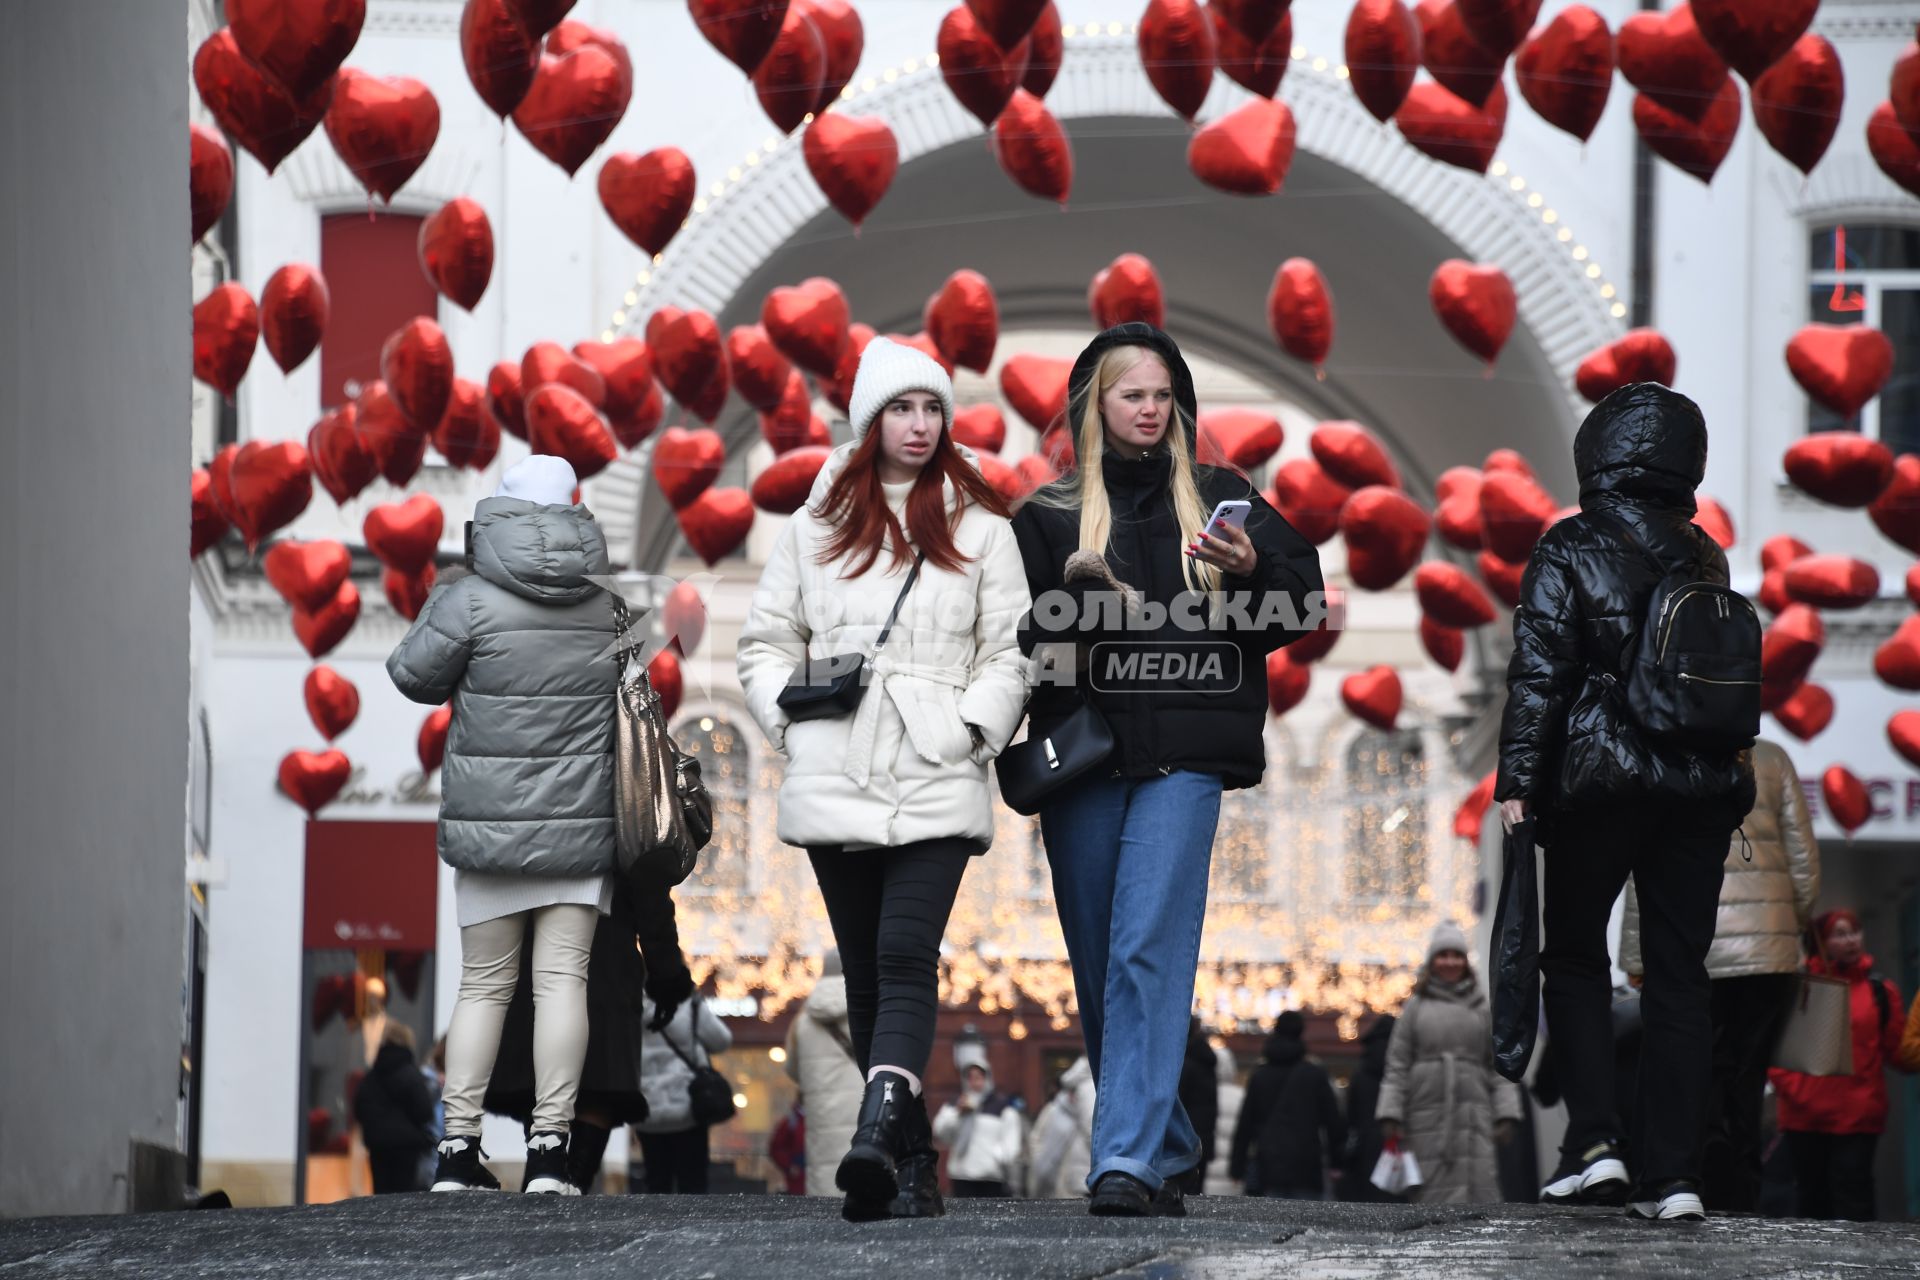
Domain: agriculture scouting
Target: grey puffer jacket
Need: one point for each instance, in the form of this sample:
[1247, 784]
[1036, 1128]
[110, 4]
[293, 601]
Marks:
[1442, 1089]
[522, 647]
[1765, 903]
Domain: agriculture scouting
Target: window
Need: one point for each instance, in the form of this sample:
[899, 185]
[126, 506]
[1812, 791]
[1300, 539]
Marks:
[374, 284]
[726, 767]
[1386, 819]
[1870, 274]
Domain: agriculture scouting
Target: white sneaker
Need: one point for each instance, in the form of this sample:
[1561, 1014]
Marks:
[1600, 1179]
[1678, 1203]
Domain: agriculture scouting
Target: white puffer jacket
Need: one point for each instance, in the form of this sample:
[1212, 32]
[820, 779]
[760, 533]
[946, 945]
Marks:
[903, 768]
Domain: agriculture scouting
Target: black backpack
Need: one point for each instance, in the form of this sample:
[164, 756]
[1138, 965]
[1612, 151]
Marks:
[1692, 677]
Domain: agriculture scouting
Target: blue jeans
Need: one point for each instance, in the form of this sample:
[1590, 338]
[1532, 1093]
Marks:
[1130, 859]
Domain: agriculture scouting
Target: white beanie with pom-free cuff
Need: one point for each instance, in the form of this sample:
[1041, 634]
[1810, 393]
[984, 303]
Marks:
[540, 478]
[1447, 936]
[888, 370]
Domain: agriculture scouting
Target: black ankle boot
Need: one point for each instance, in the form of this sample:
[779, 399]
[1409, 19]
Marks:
[919, 1171]
[868, 1172]
[586, 1147]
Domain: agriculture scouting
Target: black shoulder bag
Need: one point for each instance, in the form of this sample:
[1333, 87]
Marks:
[1032, 770]
[709, 1096]
[822, 688]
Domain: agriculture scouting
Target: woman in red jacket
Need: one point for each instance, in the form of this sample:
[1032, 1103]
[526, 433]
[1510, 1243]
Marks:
[1833, 1123]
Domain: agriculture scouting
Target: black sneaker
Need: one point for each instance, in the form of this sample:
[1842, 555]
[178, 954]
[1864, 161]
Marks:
[1596, 1176]
[547, 1173]
[460, 1168]
[1170, 1201]
[1120, 1195]
[1675, 1202]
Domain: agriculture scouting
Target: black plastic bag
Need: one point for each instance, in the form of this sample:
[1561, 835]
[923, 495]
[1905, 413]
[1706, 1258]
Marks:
[1516, 956]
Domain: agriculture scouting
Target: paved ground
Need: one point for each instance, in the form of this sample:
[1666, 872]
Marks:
[722, 1237]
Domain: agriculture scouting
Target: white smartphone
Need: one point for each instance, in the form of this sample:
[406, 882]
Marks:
[1233, 512]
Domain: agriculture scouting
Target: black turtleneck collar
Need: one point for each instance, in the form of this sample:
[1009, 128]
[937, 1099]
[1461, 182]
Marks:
[1136, 475]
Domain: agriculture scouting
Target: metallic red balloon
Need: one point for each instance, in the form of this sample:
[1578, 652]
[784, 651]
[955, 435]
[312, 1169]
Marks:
[1007, 22]
[1797, 101]
[842, 37]
[1451, 129]
[742, 30]
[1893, 148]
[1841, 366]
[250, 105]
[1565, 71]
[333, 703]
[209, 522]
[571, 35]
[1046, 50]
[407, 592]
[1033, 149]
[319, 630]
[1664, 56]
[417, 365]
[564, 423]
[506, 401]
[468, 436]
[501, 57]
[456, 251]
[791, 78]
[783, 487]
[1499, 25]
[1177, 49]
[1639, 355]
[270, 485]
[1383, 54]
[297, 42]
[760, 371]
[382, 127]
[686, 463]
[312, 780]
[395, 443]
[809, 322]
[1256, 66]
[715, 524]
[209, 177]
[404, 535]
[963, 319]
[852, 159]
[1477, 305]
[431, 745]
[342, 461]
[788, 424]
[648, 197]
[1300, 311]
[539, 16]
[226, 327]
[546, 362]
[979, 72]
[293, 313]
[575, 102]
[1246, 152]
[1752, 35]
[1128, 288]
[1454, 56]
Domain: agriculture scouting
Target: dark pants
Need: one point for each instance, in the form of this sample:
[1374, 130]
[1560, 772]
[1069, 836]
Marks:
[1833, 1173]
[394, 1169]
[676, 1162]
[1747, 1015]
[1677, 873]
[889, 908]
[973, 1189]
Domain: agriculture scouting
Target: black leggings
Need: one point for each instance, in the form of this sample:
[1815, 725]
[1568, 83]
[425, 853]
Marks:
[888, 908]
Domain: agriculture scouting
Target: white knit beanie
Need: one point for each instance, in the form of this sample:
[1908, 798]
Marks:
[888, 370]
[1447, 936]
[540, 478]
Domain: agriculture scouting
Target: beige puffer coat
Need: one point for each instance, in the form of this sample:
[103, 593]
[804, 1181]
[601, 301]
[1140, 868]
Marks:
[1765, 904]
[1442, 1089]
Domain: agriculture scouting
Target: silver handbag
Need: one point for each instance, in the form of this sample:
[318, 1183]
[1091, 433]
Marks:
[1817, 1038]
[662, 814]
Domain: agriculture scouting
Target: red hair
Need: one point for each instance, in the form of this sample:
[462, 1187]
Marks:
[864, 526]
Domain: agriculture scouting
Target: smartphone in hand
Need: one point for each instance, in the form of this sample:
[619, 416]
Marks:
[1232, 512]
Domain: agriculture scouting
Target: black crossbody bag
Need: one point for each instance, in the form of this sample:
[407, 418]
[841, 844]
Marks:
[822, 688]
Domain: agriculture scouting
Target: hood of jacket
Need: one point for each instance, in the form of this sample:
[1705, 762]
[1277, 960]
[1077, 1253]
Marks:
[837, 462]
[1283, 1050]
[1645, 444]
[1373, 1045]
[1135, 333]
[828, 1003]
[393, 1058]
[1080, 1073]
[546, 554]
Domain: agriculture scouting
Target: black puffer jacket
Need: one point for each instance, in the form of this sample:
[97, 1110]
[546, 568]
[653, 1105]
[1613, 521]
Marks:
[1290, 1127]
[1567, 745]
[392, 1105]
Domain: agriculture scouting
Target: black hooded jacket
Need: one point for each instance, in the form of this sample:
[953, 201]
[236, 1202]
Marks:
[1567, 745]
[392, 1105]
[1363, 1131]
[1204, 724]
[1277, 1141]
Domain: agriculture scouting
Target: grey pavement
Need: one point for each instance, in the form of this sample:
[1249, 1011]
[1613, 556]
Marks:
[783, 1238]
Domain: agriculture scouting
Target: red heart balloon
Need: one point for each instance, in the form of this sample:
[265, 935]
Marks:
[1300, 311]
[1499, 25]
[1514, 512]
[783, 487]
[1241, 438]
[1832, 582]
[683, 618]
[1665, 57]
[340, 459]
[506, 399]
[1639, 355]
[226, 327]
[417, 365]
[1253, 20]
[1903, 89]
[712, 398]
[1445, 645]
[1476, 304]
[1036, 387]
[1806, 713]
[1903, 731]
[1256, 65]
[1797, 102]
[1893, 148]
[1790, 644]
[1451, 129]
[648, 196]
[1507, 460]
[468, 436]
[307, 574]
[270, 485]
[1385, 531]
[963, 319]
[209, 522]
[1713, 518]
[1694, 146]
[686, 462]
[1782, 550]
[1318, 643]
[1308, 498]
[1752, 35]
[688, 353]
[1502, 577]
[562, 422]
[1383, 48]
[1565, 71]
[664, 674]
[431, 743]
[300, 43]
[220, 472]
[760, 372]
[1127, 289]
[789, 424]
[789, 79]
[742, 30]
[332, 702]
[980, 427]
[407, 592]
[319, 630]
[571, 35]
[1001, 478]
[312, 781]
[1177, 49]
[575, 102]
[250, 105]
[539, 16]
[1841, 468]
[629, 394]
[1033, 149]
[1841, 366]
[843, 37]
[549, 362]
[839, 388]
[1454, 56]
[404, 535]
[1848, 801]
[456, 251]
[716, 522]
[1472, 813]
[1056, 446]
[382, 127]
[1773, 590]
[1457, 516]
[1035, 471]
[1246, 152]
[1007, 22]
[293, 313]
[209, 177]
[1287, 682]
[1352, 455]
[1046, 50]
[809, 323]
[1450, 597]
[1897, 662]
[852, 160]
[1896, 512]
[980, 72]
[501, 58]
[1373, 695]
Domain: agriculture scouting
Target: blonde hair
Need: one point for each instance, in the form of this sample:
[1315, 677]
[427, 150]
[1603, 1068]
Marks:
[1084, 488]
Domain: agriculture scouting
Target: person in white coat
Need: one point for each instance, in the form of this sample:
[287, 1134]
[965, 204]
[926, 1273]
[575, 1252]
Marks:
[1060, 1148]
[983, 1131]
[672, 1140]
[890, 800]
[821, 1061]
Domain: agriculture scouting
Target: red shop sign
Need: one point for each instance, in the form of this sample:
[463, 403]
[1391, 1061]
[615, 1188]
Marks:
[371, 884]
